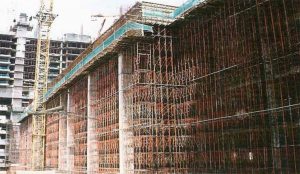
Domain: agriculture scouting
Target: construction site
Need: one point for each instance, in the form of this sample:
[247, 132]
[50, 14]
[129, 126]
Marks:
[211, 86]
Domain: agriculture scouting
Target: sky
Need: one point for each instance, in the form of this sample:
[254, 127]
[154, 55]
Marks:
[72, 14]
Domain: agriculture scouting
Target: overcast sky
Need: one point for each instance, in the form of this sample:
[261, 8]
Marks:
[72, 13]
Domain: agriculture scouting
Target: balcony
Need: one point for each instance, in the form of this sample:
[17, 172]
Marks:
[3, 153]
[7, 48]
[54, 54]
[3, 165]
[4, 62]
[4, 121]
[4, 84]
[5, 55]
[54, 67]
[26, 97]
[3, 108]
[5, 41]
[25, 102]
[72, 54]
[4, 76]
[3, 142]
[4, 69]
[54, 61]
[3, 132]
[52, 75]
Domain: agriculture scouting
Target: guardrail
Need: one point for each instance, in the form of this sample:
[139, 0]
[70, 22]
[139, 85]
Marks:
[175, 14]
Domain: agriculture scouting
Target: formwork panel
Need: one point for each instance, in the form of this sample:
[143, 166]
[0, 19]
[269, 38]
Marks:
[25, 144]
[77, 119]
[52, 135]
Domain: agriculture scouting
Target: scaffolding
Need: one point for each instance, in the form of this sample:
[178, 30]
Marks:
[238, 63]
[78, 124]
[13, 140]
[52, 141]
[104, 111]
[25, 144]
[153, 111]
[216, 92]
[52, 136]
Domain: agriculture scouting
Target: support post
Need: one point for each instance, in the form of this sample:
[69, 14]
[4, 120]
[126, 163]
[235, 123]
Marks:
[70, 139]
[88, 125]
[91, 121]
[125, 133]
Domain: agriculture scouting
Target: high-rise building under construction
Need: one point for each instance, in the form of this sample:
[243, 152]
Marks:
[17, 68]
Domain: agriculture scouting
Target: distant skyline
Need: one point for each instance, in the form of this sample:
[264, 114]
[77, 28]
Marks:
[72, 14]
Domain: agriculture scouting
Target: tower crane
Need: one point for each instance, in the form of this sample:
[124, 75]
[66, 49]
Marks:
[45, 18]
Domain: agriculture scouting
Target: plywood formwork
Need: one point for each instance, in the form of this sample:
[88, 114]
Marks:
[13, 134]
[238, 61]
[104, 110]
[77, 116]
[25, 144]
[52, 136]
[56, 149]
[52, 141]
[63, 133]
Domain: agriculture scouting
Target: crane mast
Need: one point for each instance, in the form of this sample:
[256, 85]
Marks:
[45, 19]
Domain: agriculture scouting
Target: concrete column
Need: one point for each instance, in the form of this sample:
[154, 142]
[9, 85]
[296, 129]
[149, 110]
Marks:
[60, 160]
[89, 128]
[62, 148]
[70, 139]
[125, 134]
[92, 156]
[62, 155]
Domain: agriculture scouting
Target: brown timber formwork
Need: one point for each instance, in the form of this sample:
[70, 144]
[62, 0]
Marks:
[239, 61]
[52, 136]
[77, 116]
[56, 135]
[52, 141]
[25, 144]
[104, 110]
[154, 110]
